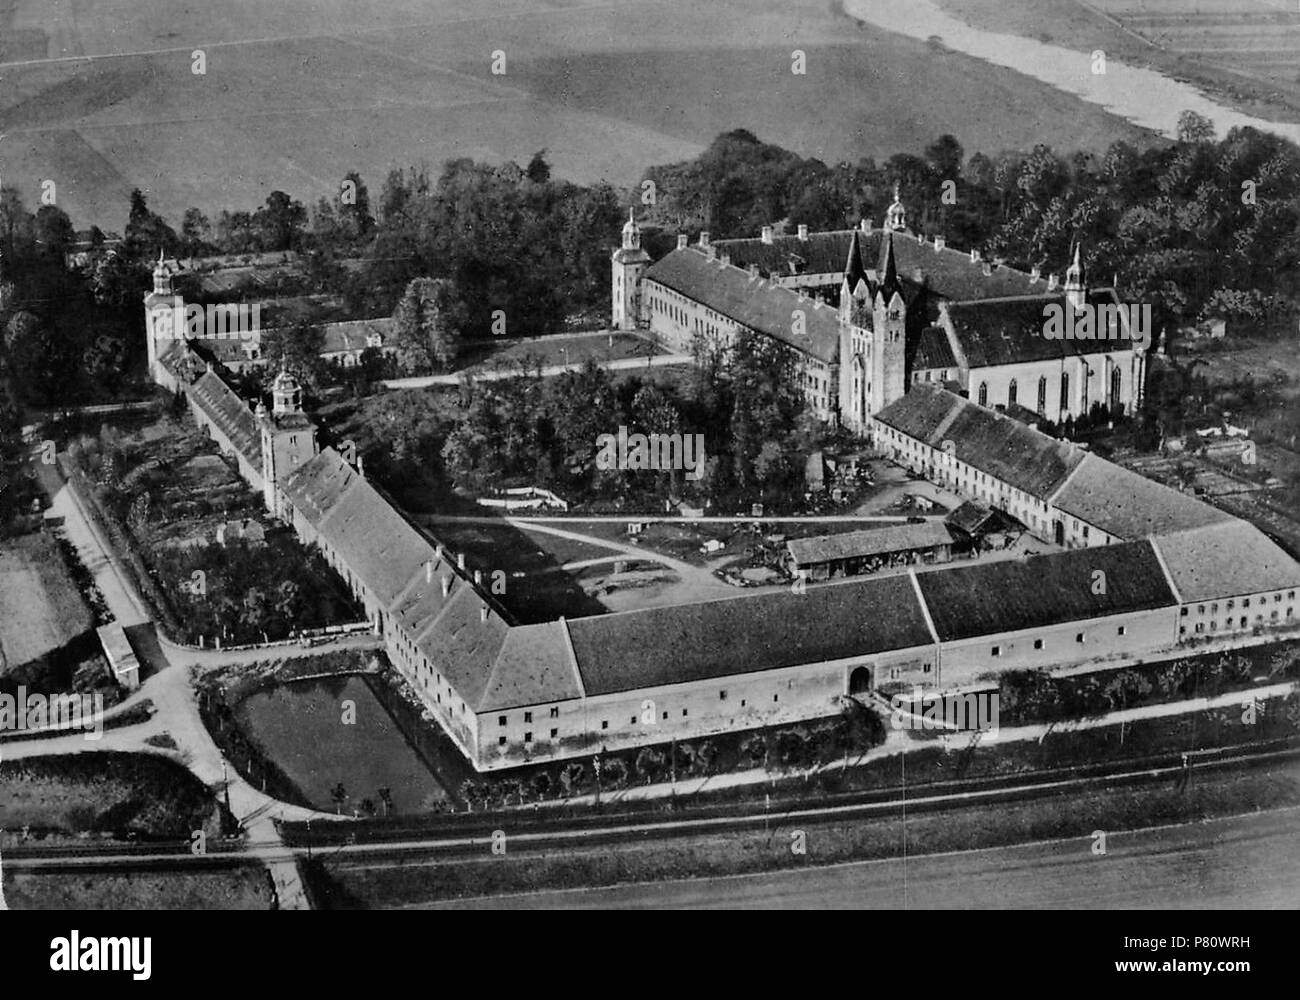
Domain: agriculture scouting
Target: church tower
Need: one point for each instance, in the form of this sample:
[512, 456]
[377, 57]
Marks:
[1075, 292]
[856, 321]
[888, 367]
[288, 440]
[628, 264]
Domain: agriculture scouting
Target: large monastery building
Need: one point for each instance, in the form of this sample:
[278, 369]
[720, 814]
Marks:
[873, 311]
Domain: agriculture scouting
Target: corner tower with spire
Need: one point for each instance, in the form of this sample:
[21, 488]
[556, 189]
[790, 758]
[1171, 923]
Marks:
[628, 265]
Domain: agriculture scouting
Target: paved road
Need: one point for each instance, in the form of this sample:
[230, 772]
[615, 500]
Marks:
[1245, 861]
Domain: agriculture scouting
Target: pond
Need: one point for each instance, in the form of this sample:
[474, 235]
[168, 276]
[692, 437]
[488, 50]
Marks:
[301, 727]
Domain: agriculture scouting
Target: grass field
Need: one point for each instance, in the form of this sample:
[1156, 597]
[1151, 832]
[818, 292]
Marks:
[102, 97]
[1246, 52]
[40, 607]
[241, 888]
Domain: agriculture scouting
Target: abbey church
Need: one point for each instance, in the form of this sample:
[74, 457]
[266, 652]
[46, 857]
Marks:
[871, 311]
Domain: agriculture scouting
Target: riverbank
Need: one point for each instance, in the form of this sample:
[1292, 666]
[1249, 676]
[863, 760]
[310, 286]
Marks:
[1055, 41]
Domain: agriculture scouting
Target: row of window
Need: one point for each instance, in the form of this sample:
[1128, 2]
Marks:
[1116, 386]
[1230, 604]
[1079, 637]
[1242, 622]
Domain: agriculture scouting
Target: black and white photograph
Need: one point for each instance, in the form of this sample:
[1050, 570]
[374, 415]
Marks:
[747, 455]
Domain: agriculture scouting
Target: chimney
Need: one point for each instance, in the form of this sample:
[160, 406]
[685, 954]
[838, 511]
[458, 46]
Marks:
[710, 251]
[1035, 273]
[478, 578]
[767, 234]
[726, 259]
[920, 238]
[865, 225]
[974, 256]
[988, 269]
[753, 271]
[704, 237]
[681, 241]
[438, 549]
[1052, 282]
[428, 571]
[939, 243]
[460, 560]
[483, 613]
[361, 465]
[803, 232]
[446, 585]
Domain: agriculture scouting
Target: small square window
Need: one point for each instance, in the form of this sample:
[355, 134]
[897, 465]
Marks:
[997, 650]
[604, 724]
[1078, 637]
[776, 697]
[554, 733]
[501, 741]
[1038, 643]
[1122, 630]
[742, 702]
[555, 711]
[632, 722]
[528, 737]
[665, 715]
[501, 720]
[683, 713]
[722, 695]
[528, 716]
[1182, 613]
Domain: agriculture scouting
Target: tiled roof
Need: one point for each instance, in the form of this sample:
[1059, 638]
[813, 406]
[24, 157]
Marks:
[975, 516]
[1226, 560]
[871, 542]
[948, 273]
[984, 439]
[1129, 505]
[533, 667]
[1009, 332]
[231, 414]
[1008, 595]
[821, 253]
[751, 302]
[932, 349]
[715, 639]
[378, 544]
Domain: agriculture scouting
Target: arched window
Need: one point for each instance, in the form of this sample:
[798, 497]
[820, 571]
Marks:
[1042, 395]
[984, 394]
[1116, 381]
[1065, 391]
[1011, 393]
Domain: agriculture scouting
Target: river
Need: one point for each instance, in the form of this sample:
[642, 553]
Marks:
[1143, 96]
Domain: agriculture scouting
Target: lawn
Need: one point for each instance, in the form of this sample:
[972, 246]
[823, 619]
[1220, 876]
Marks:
[562, 349]
[607, 90]
[107, 796]
[41, 609]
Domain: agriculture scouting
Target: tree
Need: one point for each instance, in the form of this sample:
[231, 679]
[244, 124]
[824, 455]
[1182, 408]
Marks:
[538, 170]
[428, 324]
[297, 349]
[196, 233]
[1194, 127]
[650, 763]
[279, 222]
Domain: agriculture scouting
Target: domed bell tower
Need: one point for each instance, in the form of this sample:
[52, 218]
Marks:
[288, 440]
[628, 264]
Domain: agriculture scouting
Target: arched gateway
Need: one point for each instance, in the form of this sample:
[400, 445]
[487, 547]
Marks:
[860, 680]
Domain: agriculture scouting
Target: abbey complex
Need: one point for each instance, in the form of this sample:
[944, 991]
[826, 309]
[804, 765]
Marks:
[924, 352]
